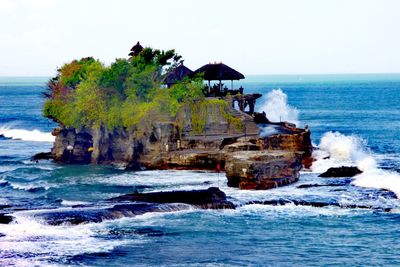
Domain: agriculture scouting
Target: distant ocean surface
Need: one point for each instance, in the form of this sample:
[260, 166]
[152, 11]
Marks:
[354, 120]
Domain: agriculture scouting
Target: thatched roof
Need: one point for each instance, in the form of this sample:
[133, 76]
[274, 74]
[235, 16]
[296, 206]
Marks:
[177, 74]
[219, 72]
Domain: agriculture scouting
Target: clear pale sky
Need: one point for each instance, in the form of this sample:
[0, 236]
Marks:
[255, 37]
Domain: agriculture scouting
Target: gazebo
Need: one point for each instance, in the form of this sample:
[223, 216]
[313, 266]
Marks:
[219, 72]
[177, 74]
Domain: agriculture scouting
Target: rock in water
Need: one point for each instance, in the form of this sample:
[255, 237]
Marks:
[5, 219]
[83, 215]
[343, 171]
[42, 156]
[262, 169]
[212, 198]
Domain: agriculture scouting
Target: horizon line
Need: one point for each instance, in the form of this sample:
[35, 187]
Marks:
[256, 74]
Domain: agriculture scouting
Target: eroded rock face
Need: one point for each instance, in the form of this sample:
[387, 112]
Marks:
[119, 146]
[297, 141]
[262, 169]
[269, 161]
[80, 141]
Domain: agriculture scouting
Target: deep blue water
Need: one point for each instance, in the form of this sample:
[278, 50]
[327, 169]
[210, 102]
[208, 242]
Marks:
[364, 109]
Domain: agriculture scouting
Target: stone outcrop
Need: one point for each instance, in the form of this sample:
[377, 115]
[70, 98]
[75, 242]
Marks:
[262, 169]
[270, 161]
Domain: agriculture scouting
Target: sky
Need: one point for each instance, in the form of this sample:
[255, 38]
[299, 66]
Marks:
[252, 36]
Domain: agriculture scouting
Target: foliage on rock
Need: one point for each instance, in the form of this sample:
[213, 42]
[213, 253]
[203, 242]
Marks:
[127, 93]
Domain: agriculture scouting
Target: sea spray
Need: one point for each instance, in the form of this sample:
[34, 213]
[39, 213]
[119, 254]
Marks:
[25, 135]
[336, 149]
[277, 108]
[381, 179]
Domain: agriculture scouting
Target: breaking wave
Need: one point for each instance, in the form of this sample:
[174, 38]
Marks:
[277, 108]
[26, 135]
[19, 237]
[28, 187]
[336, 149]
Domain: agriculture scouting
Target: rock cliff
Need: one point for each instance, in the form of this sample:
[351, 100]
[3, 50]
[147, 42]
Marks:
[229, 140]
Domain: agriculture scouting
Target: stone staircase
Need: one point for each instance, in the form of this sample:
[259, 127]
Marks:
[250, 128]
[221, 129]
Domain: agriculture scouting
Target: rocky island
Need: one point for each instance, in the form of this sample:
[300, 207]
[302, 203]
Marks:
[150, 111]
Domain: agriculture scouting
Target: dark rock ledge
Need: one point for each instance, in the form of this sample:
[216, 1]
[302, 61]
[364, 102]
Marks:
[343, 171]
[131, 205]
[212, 198]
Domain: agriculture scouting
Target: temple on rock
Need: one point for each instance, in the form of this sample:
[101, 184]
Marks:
[216, 129]
[177, 74]
[218, 73]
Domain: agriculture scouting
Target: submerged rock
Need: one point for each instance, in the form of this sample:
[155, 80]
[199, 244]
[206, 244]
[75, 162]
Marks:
[317, 204]
[4, 206]
[343, 171]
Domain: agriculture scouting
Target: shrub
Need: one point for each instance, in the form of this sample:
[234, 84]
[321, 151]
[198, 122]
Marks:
[127, 93]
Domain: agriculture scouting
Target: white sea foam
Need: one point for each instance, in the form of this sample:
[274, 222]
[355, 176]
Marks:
[277, 108]
[170, 178]
[268, 130]
[378, 178]
[70, 203]
[7, 168]
[292, 210]
[27, 187]
[26, 135]
[336, 149]
[28, 235]
[3, 201]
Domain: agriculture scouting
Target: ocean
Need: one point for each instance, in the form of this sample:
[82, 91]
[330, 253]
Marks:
[354, 121]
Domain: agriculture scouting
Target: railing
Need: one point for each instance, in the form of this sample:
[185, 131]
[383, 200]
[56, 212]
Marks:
[224, 92]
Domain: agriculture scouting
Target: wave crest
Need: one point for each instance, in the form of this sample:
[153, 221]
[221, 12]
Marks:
[277, 109]
[336, 149]
[26, 135]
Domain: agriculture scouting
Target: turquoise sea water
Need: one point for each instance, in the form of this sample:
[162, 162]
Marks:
[363, 111]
